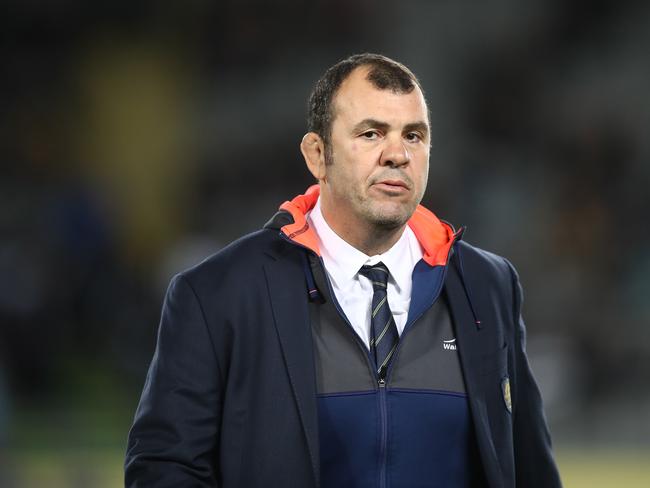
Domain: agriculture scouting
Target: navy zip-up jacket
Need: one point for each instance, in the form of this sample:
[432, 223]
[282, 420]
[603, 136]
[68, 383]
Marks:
[230, 399]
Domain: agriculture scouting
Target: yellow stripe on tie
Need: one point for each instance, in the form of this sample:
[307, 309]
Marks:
[388, 357]
[378, 307]
[383, 332]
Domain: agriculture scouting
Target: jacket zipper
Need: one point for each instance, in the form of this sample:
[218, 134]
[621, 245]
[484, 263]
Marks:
[383, 416]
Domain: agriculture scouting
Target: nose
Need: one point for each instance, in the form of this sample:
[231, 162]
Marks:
[394, 153]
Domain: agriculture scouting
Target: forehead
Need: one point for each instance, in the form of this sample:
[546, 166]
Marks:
[358, 99]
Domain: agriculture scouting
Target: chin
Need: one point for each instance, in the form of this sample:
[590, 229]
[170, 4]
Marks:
[390, 220]
[386, 215]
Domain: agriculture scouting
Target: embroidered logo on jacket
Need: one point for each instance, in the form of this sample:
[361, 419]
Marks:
[505, 388]
[450, 345]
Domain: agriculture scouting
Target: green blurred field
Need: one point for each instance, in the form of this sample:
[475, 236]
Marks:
[600, 468]
[102, 468]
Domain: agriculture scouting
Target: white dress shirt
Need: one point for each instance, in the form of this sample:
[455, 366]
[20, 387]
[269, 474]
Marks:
[353, 291]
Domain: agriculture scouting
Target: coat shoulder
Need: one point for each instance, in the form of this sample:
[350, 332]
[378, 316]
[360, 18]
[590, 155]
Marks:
[485, 264]
[240, 261]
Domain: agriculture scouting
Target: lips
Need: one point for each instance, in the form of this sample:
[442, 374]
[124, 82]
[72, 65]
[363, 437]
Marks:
[394, 183]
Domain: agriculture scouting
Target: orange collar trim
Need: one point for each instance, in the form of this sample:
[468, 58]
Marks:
[300, 231]
[435, 237]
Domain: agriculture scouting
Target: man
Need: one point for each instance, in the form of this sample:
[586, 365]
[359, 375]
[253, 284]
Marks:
[355, 341]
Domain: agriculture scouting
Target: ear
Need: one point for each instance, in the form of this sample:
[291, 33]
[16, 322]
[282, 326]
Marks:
[313, 150]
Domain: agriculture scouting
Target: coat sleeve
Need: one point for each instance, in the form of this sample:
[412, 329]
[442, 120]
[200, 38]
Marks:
[534, 464]
[175, 434]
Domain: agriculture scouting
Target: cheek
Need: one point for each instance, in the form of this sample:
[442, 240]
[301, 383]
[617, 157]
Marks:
[422, 175]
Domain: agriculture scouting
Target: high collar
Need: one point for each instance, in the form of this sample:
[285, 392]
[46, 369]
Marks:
[435, 237]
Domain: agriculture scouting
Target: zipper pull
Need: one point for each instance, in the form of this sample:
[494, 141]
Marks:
[382, 377]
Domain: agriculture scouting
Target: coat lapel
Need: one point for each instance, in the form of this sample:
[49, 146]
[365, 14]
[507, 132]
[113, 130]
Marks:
[286, 283]
[471, 344]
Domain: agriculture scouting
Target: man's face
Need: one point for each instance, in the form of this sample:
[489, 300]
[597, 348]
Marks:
[379, 163]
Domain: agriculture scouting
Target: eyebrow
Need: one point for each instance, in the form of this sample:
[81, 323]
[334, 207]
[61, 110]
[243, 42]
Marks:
[418, 126]
[377, 124]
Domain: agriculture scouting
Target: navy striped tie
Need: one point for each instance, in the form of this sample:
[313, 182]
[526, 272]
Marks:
[383, 331]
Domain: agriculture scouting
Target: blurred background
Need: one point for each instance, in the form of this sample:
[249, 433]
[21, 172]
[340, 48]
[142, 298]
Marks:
[137, 137]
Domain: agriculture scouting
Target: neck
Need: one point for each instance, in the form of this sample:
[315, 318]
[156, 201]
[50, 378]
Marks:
[377, 242]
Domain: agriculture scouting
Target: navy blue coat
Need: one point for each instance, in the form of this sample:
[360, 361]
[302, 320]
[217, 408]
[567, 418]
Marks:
[230, 399]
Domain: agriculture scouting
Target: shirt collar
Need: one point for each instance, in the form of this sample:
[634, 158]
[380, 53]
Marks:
[405, 251]
[343, 261]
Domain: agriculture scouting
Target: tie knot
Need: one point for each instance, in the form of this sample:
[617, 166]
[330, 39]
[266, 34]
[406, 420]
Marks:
[377, 274]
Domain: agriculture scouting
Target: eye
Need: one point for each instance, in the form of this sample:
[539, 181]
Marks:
[414, 137]
[370, 135]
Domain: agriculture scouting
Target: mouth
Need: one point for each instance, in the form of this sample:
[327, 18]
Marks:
[392, 186]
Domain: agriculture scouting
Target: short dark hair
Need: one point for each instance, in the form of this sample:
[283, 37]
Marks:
[384, 73]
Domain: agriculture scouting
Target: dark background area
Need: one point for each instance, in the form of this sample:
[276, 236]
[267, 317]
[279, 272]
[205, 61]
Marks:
[138, 137]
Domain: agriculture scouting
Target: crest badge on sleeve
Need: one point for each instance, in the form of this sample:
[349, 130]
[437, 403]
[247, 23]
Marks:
[505, 389]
